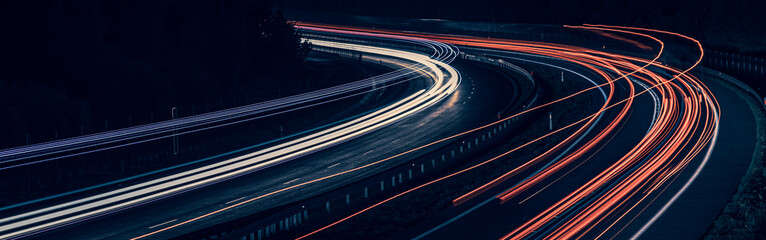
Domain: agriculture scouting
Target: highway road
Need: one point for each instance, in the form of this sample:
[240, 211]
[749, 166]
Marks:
[658, 156]
[444, 81]
[59, 149]
[454, 114]
[451, 112]
[689, 218]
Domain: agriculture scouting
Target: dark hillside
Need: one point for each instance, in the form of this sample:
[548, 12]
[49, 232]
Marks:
[738, 25]
[68, 66]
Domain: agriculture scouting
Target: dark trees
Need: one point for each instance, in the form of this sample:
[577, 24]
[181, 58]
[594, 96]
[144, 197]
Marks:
[67, 63]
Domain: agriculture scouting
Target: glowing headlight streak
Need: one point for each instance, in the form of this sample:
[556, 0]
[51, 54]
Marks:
[609, 82]
[71, 147]
[44, 219]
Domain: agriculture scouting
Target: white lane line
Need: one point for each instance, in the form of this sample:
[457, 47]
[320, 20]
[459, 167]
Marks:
[163, 223]
[234, 200]
[334, 165]
[368, 152]
[556, 159]
[688, 182]
[291, 181]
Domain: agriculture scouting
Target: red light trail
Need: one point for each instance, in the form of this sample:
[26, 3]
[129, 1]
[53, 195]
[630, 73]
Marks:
[684, 126]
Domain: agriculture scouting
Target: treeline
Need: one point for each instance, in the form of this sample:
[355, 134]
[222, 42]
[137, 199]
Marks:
[736, 25]
[66, 66]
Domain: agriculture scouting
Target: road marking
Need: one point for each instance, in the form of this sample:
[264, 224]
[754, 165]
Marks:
[334, 165]
[291, 181]
[234, 200]
[365, 153]
[163, 223]
[688, 182]
[557, 158]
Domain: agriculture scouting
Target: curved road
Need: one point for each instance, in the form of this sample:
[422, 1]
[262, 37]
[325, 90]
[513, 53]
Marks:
[661, 165]
[474, 102]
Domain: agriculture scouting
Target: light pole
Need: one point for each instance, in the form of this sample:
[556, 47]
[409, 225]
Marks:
[550, 121]
[173, 113]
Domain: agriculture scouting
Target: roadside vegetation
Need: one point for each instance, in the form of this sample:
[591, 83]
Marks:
[69, 68]
[735, 26]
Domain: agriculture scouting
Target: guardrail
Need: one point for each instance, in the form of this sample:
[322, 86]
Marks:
[292, 218]
[384, 184]
[733, 81]
[747, 69]
[500, 63]
[179, 126]
[389, 43]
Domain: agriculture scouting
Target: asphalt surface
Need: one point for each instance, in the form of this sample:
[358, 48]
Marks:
[688, 218]
[694, 212]
[474, 103]
[492, 220]
[480, 96]
[65, 214]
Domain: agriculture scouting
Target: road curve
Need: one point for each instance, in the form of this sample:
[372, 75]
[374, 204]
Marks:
[445, 81]
[662, 131]
[459, 111]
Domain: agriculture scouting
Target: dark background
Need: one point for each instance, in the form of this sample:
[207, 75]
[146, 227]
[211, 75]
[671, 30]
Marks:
[69, 66]
[738, 25]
